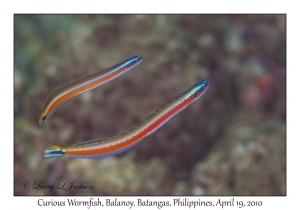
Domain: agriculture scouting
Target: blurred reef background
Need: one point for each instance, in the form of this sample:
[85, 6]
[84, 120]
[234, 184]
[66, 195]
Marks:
[232, 141]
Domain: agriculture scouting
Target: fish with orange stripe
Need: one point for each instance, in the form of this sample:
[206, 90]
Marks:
[101, 148]
[68, 91]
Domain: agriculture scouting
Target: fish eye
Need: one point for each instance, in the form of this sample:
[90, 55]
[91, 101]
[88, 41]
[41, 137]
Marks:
[44, 118]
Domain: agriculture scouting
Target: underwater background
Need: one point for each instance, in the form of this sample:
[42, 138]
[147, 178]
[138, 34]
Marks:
[232, 141]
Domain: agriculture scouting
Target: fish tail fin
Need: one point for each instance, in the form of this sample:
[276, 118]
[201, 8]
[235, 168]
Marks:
[54, 151]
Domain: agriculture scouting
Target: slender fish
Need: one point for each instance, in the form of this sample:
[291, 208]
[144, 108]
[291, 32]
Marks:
[101, 148]
[68, 91]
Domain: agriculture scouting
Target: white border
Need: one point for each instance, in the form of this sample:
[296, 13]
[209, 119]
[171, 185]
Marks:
[8, 8]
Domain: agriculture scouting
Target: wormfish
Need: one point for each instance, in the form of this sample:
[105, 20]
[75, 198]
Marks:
[101, 148]
[68, 91]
